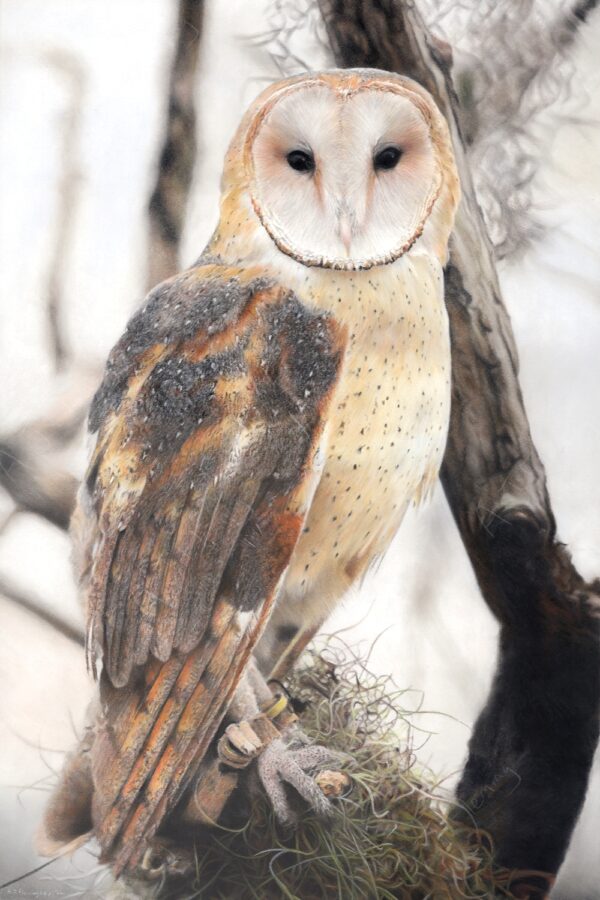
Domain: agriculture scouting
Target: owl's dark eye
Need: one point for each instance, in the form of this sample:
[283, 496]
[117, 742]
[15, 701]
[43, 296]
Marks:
[301, 160]
[388, 158]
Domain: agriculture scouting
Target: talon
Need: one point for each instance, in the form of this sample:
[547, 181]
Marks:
[162, 859]
[244, 741]
[243, 738]
[333, 784]
[152, 864]
[279, 765]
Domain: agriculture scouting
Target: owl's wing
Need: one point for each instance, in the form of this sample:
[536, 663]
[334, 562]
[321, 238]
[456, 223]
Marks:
[208, 422]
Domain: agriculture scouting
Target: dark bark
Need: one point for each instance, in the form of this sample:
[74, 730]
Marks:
[532, 746]
[168, 201]
[581, 11]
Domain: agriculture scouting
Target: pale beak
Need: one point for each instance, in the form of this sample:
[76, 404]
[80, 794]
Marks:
[345, 230]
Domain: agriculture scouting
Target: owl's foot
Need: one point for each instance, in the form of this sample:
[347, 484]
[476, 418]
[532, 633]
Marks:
[165, 858]
[292, 761]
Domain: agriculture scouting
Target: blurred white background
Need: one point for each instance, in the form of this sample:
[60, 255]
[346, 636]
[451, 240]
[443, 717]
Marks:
[436, 635]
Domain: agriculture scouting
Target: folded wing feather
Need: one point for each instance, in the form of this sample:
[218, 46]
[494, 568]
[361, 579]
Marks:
[209, 422]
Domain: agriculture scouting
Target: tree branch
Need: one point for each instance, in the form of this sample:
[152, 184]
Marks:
[581, 11]
[31, 458]
[168, 201]
[25, 601]
[35, 486]
[73, 76]
[532, 747]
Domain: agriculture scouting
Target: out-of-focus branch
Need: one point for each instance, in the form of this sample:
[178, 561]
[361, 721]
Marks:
[72, 73]
[26, 601]
[179, 151]
[35, 485]
[31, 465]
[581, 11]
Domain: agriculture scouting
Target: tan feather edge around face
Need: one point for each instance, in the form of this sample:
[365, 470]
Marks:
[239, 177]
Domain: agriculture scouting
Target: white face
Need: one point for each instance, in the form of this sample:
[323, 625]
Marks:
[344, 181]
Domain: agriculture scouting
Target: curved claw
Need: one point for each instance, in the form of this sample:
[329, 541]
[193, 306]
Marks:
[279, 765]
[162, 859]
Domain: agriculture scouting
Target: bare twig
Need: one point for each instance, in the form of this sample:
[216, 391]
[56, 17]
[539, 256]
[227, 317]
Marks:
[179, 151]
[72, 73]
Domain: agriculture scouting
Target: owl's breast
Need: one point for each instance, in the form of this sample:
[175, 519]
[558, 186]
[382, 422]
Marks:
[386, 432]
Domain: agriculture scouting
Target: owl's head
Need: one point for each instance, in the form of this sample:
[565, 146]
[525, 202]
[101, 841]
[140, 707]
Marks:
[345, 169]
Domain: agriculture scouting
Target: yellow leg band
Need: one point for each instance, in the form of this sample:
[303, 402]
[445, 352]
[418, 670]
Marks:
[279, 704]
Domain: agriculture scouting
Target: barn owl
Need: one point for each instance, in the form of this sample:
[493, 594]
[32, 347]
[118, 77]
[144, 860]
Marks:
[262, 426]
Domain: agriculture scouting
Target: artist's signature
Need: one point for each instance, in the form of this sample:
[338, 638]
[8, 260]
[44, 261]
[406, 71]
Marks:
[505, 780]
[31, 892]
